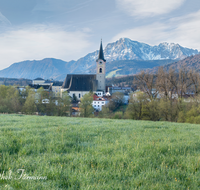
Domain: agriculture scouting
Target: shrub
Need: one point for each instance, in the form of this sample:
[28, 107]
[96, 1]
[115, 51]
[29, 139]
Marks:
[118, 115]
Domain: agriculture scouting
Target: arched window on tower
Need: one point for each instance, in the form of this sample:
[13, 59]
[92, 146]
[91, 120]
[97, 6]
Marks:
[100, 70]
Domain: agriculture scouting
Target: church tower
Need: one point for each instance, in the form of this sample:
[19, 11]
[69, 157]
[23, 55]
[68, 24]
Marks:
[101, 70]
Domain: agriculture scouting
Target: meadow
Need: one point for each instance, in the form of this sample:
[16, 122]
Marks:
[41, 152]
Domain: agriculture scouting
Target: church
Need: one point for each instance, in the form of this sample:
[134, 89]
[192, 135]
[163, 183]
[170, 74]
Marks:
[80, 84]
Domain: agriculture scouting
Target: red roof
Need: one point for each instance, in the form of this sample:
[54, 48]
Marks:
[75, 109]
[97, 98]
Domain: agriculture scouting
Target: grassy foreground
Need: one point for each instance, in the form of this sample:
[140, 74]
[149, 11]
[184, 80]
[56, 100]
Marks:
[78, 153]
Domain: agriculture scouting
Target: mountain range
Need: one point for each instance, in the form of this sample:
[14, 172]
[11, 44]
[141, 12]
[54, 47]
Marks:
[124, 57]
[191, 63]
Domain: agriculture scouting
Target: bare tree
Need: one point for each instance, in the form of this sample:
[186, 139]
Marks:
[184, 81]
[195, 80]
[178, 83]
[166, 82]
[146, 83]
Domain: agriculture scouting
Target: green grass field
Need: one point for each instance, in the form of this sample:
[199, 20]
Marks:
[78, 153]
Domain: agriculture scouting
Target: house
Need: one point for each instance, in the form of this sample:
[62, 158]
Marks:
[75, 110]
[56, 88]
[99, 102]
[78, 85]
[39, 82]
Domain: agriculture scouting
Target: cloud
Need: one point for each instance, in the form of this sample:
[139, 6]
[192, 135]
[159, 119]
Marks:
[40, 42]
[183, 30]
[148, 8]
[4, 21]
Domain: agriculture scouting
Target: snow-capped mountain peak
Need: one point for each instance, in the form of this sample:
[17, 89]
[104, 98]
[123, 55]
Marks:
[122, 49]
[127, 49]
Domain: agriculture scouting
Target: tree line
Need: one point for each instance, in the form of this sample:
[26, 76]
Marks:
[167, 95]
[27, 101]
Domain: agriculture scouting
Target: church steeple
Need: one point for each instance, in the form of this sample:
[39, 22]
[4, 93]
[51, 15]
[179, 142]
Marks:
[101, 55]
[101, 70]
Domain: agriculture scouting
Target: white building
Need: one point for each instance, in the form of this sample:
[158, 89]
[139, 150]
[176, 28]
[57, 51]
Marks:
[124, 90]
[99, 102]
[56, 88]
[38, 81]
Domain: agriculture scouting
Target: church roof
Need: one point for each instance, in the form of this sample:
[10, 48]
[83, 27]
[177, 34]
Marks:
[101, 55]
[80, 82]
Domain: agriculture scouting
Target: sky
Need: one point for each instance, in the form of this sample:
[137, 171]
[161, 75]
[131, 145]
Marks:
[70, 29]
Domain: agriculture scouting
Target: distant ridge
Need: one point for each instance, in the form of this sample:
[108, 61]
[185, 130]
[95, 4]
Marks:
[46, 68]
[123, 57]
[191, 63]
[131, 67]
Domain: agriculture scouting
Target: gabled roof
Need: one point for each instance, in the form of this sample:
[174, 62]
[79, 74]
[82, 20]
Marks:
[80, 82]
[101, 55]
[97, 98]
[57, 83]
[76, 109]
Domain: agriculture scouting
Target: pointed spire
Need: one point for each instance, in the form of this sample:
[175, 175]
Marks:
[101, 55]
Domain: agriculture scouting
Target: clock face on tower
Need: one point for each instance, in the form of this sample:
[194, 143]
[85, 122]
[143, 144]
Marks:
[100, 62]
